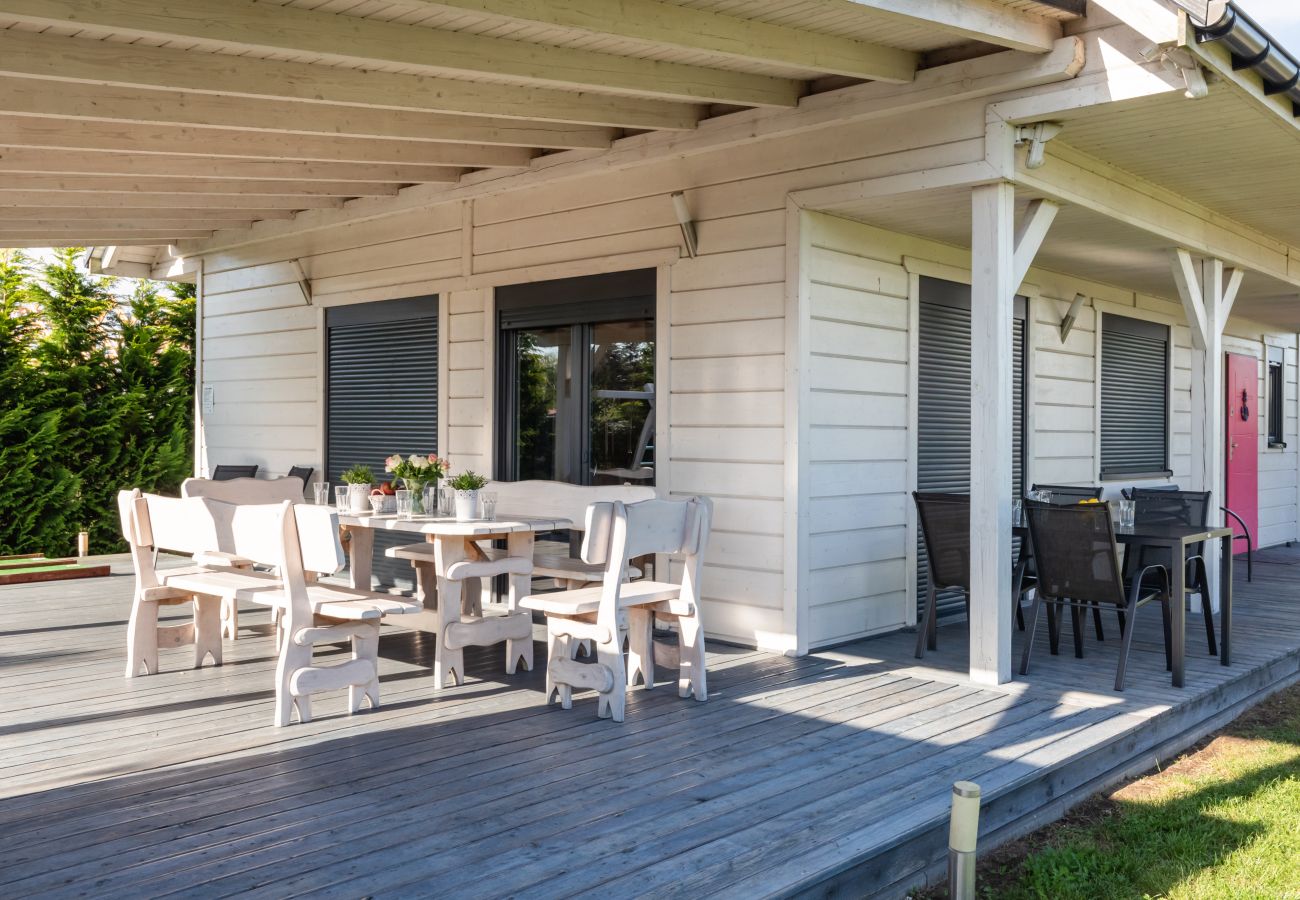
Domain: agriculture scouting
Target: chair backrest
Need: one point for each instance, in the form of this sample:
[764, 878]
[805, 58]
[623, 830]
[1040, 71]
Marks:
[945, 525]
[1127, 493]
[243, 490]
[225, 473]
[1067, 494]
[197, 524]
[302, 473]
[278, 530]
[1075, 553]
[1165, 506]
[556, 499]
[617, 533]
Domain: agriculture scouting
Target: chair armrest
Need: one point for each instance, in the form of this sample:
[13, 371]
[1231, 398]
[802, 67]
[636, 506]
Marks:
[1236, 518]
[1135, 587]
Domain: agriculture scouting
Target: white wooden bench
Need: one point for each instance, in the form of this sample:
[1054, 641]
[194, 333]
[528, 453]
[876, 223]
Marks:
[564, 501]
[238, 490]
[144, 636]
[294, 538]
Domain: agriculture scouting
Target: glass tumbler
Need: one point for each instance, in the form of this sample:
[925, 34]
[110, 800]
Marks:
[488, 504]
[341, 498]
[430, 499]
[322, 489]
[446, 502]
[405, 504]
[1127, 513]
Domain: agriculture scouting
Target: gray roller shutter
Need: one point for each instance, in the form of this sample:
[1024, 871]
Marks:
[943, 413]
[381, 397]
[1134, 397]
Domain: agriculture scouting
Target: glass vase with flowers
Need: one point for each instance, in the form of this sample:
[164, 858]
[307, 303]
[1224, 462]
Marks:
[417, 471]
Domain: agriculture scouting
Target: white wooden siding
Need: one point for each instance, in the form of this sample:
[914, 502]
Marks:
[854, 478]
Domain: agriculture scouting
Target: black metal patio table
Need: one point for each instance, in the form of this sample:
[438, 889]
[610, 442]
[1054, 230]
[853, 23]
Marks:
[1177, 538]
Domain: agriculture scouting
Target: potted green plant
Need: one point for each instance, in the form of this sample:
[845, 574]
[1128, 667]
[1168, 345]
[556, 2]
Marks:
[467, 485]
[359, 480]
[418, 472]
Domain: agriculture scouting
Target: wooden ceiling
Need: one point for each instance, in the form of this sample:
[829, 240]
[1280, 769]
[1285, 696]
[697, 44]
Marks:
[154, 121]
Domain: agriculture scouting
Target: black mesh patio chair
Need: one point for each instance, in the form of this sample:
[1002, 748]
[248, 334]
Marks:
[228, 473]
[1079, 567]
[302, 472]
[1245, 529]
[1170, 506]
[1058, 495]
[1067, 494]
[945, 526]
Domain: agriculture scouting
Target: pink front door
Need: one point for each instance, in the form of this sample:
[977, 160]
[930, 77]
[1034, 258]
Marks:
[1241, 453]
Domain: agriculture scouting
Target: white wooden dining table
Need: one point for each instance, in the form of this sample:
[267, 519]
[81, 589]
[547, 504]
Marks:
[453, 541]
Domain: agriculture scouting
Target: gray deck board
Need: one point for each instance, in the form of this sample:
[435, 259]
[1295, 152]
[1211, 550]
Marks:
[797, 772]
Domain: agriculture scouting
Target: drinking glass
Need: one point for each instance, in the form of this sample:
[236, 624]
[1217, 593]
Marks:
[431, 500]
[322, 489]
[1127, 513]
[341, 498]
[488, 504]
[446, 502]
[1017, 512]
[405, 504]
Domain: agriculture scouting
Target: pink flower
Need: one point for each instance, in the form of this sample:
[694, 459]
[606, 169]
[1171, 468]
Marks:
[392, 462]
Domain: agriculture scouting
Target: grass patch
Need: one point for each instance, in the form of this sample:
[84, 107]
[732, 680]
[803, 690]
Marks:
[1223, 821]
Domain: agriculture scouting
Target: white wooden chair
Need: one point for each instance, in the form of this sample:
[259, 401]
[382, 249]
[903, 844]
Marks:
[238, 491]
[307, 536]
[615, 534]
[175, 530]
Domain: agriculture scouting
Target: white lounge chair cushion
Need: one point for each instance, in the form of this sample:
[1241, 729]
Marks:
[583, 601]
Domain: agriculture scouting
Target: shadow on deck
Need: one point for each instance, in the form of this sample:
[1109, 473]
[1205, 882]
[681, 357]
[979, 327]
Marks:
[821, 774]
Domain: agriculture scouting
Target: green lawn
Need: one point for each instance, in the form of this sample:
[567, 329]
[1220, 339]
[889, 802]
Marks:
[1221, 822]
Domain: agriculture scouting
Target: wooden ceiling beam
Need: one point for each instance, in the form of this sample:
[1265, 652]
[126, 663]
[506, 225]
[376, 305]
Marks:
[79, 192]
[153, 106]
[88, 237]
[657, 23]
[74, 59]
[95, 213]
[975, 20]
[93, 162]
[242, 26]
[143, 223]
[60, 134]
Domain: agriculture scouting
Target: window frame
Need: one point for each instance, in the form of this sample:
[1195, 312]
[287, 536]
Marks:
[1275, 397]
[1136, 324]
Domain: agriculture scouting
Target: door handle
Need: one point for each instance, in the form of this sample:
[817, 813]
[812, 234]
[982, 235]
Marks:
[1232, 449]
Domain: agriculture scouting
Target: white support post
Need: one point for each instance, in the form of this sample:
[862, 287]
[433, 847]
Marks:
[1207, 296]
[993, 288]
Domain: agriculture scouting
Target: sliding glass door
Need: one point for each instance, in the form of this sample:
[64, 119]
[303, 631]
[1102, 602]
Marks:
[577, 392]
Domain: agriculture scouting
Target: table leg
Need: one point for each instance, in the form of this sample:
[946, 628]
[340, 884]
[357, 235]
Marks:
[1225, 600]
[1177, 610]
[360, 550]
[520, 544]
[449, 664]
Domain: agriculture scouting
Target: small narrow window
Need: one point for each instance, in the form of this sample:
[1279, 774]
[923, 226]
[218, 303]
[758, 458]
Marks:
[1276, 387]
[1134, 398]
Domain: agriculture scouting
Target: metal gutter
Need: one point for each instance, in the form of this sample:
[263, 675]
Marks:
[1252, 48]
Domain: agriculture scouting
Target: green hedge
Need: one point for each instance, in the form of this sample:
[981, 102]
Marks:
[96, 394]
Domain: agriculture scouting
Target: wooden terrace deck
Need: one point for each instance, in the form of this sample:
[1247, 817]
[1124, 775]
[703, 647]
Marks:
[826, 774]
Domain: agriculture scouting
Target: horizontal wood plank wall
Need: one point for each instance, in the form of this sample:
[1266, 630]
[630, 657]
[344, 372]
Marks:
[855, 482]
[261, 341]
[467, 398]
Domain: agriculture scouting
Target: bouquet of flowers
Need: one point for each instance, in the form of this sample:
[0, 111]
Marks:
[416, 470]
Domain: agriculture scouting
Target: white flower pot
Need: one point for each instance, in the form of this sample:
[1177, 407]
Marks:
[466, 506]
[359, 499]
